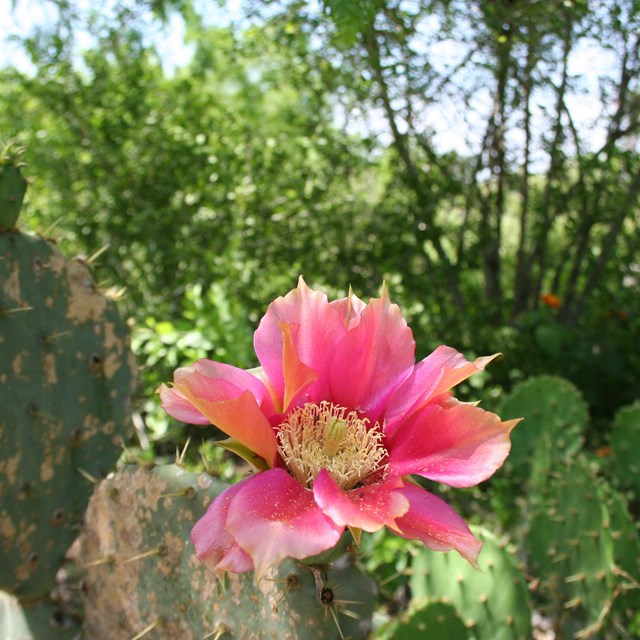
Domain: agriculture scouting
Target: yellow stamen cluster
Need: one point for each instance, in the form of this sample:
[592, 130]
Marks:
[325, 436]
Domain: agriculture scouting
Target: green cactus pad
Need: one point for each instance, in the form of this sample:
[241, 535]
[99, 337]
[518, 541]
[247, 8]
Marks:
[626, 555]
[571, 548]
[142, 572]
[493, 602]
[553, 411]
[433, 620]
[67, 377]
[625, 448]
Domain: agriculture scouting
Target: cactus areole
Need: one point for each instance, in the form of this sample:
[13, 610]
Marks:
[336, 419]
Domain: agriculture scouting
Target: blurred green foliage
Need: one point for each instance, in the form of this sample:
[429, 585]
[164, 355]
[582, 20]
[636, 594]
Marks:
[299, 140]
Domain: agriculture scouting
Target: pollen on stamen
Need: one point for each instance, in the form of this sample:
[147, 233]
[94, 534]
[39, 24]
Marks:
[326, 436]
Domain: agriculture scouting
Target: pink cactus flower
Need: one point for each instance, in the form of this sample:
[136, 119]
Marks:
[335, 420]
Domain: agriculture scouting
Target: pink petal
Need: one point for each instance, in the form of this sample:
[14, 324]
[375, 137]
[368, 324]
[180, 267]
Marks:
[457, 368]
[436, 524]
[368, 508]
[237, 381]
[373, 359]
[350, 309]
[451, 442]
[239, 416]
[437, 373]
[178, 407]
[275, 517]
[215, 381]
[213, 544]
[316, 327]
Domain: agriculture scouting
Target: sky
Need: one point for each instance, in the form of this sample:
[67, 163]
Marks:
[454, 125]
[28, 15]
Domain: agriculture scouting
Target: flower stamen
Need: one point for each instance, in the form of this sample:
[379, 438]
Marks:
[324, 436]
[334, 433]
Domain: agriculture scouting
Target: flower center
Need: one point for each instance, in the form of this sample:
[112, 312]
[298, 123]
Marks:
[325, 436]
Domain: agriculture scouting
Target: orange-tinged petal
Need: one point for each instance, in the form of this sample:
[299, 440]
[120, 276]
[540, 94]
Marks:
[460, 369]
[297, 376]
[240, 418]
[178, 407]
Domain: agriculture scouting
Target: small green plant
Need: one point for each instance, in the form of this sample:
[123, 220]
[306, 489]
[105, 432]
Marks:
[13, 185]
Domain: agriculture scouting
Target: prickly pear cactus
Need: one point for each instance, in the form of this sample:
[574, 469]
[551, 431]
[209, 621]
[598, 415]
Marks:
[142, 573]
[576, 544]
[67, 376]
[433, 620]
[493, 603]
[554, 412]
[625, 448]
[12, 185]
[626, 557]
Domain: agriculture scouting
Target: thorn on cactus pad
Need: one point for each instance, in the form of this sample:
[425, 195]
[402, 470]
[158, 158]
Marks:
[218, 631]
[87, 476]
[54, 336]
[156, 623]
[573, 603]
[161, 551]
[108, 559]
[188, 492]
[181, 456]
[4, 311]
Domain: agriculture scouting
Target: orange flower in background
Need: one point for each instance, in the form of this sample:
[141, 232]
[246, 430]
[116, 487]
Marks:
[551, 300]
[603, 452]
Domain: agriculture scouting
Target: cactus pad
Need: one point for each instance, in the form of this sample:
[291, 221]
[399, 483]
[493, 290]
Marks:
[572, 550]
[625, 448]
[142, 572]
[433, 620]
[66, 380]
[554, 412]
[493, 603]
